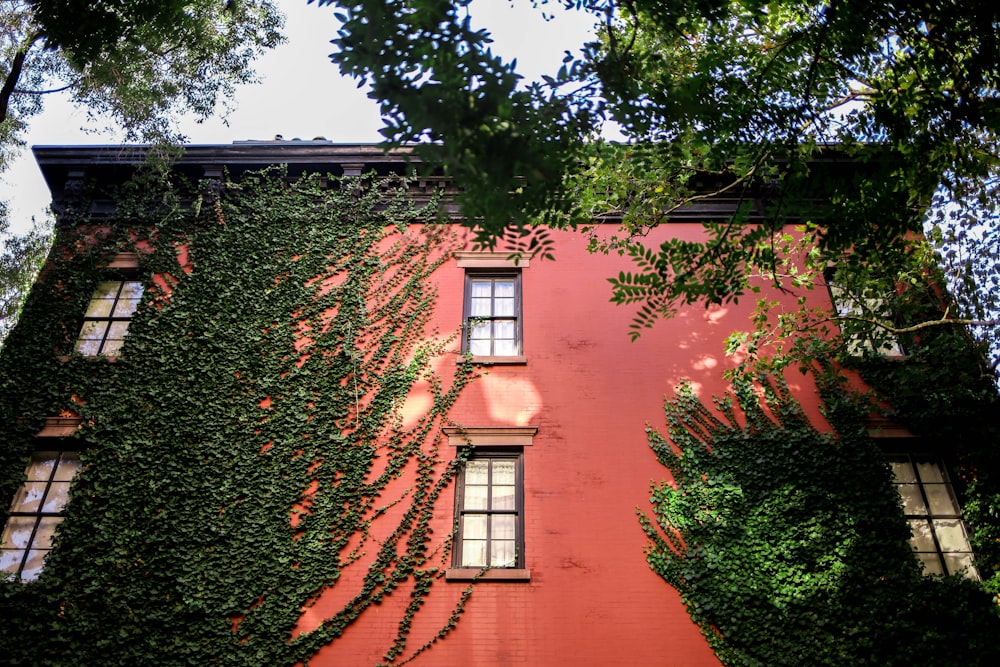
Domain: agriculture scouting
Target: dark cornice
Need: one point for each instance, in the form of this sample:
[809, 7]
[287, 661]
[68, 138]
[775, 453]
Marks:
[71, 171]
[112, 163]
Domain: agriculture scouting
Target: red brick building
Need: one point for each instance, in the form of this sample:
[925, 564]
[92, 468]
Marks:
[541, 518]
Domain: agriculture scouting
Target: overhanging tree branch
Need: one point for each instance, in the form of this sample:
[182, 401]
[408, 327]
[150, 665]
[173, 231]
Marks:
[16, 68]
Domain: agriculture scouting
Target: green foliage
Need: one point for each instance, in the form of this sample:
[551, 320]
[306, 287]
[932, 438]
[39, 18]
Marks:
[788, 545]
[742, 99]
[439, 82]
[20, 259]
[943, 393]
[248, 446]
[140, 63]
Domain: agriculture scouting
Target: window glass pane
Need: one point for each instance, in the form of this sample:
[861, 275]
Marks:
[475, 497]
[477, 472]
[951, 535]
[93, 330]
[41, 466]
[480, 308]
[902, 471]
[125, 307]
[132, 290]
[473, 553]
[88, 348]
[29, 497]
[940, 499]
[117, 330]
[45, 531]
[504, 348]
[913, 502]
[107, 289]
[503, 527]
[502, 553]
[479, 348]
[69, 464]
[480, 331]
[10, 560]
[931, 563]
[961, 562]
[481, 288]
[100, 308]
[57, 496]
[930, 473]
[503, 288]
[503, 471]
[504, 329]
[922, 539]
[33, 566]
[474, 526]
[503, 498]
[503, 307]
[17, 532]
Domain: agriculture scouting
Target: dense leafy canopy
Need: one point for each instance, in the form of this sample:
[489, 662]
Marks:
[740, 97]
[139, 62]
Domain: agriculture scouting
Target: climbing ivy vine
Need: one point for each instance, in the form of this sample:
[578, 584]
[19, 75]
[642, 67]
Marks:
[788, 545]
[241, 452]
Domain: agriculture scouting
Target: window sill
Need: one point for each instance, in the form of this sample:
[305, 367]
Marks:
[109, 358]
[518, 360]
[494, 574]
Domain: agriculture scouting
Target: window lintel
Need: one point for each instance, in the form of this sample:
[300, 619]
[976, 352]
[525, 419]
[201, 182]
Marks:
[490, 436]
[491, 260]
[881, 427]
[60, 427]
[126, 262]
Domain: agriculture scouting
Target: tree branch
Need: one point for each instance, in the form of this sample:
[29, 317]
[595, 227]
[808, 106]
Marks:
[21, 91]
[944, 321]
[10, 82]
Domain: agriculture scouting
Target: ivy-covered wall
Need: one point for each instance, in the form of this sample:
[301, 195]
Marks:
[251, 419]
[265, 481]
[783, 531]
[789, 544]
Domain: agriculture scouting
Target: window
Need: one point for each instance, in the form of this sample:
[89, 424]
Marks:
[938, 534]
[108, 315]
[37, 509]
[488, 502]
[493, 314]
[861, 336]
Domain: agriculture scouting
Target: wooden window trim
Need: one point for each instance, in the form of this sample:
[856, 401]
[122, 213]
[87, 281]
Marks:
[514, 359]
[125, 262]
[492, 441]
[896, 449]
[64, 449]
[491, 455]
[122, 279]
[487, 574]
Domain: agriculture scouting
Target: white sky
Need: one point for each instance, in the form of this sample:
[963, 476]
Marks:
[302, 93]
